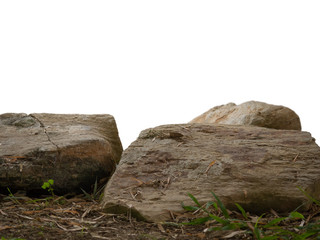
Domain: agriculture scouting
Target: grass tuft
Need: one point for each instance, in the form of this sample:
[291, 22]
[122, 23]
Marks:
[219, 218]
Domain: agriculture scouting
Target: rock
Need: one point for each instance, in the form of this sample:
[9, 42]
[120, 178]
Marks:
[252, 113]
[73, 150]
[259, 168]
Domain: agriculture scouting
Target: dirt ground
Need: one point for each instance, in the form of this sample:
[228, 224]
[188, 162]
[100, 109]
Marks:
[78, 218]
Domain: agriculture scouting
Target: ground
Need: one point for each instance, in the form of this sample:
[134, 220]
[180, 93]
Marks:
[56, 217]
[77, 217]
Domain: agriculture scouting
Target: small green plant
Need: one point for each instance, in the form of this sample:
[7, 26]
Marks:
[48, 185]
[96, 193]
[12, 197]
[309, 196]
[216, 213]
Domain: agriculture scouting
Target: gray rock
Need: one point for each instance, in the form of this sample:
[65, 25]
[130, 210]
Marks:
[252, 113]
[73, 150]
[259, 168]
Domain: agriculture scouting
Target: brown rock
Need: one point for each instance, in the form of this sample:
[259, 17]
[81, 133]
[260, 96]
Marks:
[252, 113]
[73, 150]
[259, 168]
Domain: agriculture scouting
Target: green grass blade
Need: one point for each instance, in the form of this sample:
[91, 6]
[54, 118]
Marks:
[211, 203]
[244, 214]
[231, 226]
[296, 215]
[221, 206]
[313, 226]
[256, 232]
[274, 222]
[240, 223]
[194, 199]
[256, 225]
[189, 208]
[309, 196]
[219, 220]
[86, 194]
[214, 229]
[305, 235]
[286, 234]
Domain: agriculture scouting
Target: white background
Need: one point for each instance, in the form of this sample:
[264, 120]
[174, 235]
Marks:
[149, 62]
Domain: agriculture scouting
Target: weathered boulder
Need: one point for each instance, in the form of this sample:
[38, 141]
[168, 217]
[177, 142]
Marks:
[259, 168]
[252, 113]
[73, 150]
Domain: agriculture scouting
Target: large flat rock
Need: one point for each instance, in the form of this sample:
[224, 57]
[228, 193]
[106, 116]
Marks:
[257, 167]
[73, 150]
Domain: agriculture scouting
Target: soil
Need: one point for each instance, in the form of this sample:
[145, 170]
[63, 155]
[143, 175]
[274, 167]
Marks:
[56, 217]
[77, 217]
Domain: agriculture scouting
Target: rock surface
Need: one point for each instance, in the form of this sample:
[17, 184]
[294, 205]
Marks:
[252, 113]
[73, 150]
[259, 168]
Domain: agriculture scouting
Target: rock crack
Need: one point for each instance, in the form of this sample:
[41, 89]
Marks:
[45, 131]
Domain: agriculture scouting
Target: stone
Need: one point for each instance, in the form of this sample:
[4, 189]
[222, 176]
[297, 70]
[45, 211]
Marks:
[259, 168]
[252, 113]
[73, 150]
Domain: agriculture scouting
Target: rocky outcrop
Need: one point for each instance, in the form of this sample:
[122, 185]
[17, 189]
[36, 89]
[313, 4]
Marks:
[252, 113]
[259, 168]
[74, 150]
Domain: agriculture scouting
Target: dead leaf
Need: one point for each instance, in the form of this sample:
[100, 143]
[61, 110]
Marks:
[86, 212]
[210, 165]
[254, 219]
[13, 158]
[201, 235]
[250, 226]
[94, 235]
[4, 227]
[26, 217]
[302, 223]
[172, 216]
[32, 212]
[233, 234]
[74, 224]
[274, 213]
[161, 228]
[73, 212]
[139, 181]
[3, 213]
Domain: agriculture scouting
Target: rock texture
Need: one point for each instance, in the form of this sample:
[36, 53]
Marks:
[259, 168]
[73, 150]
[252, 113]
